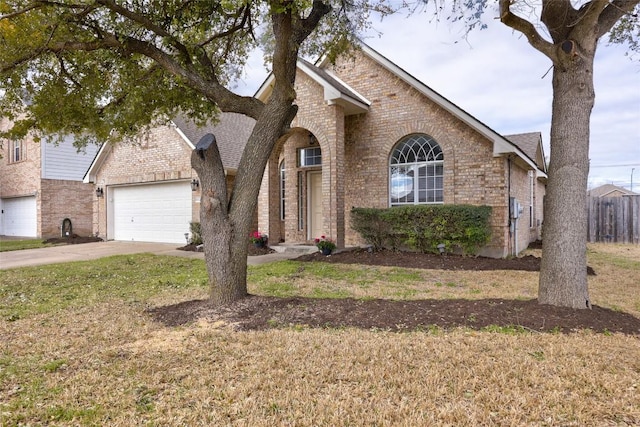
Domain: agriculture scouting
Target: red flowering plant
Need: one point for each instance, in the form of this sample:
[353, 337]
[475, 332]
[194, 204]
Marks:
[323, 243]
[258, 237]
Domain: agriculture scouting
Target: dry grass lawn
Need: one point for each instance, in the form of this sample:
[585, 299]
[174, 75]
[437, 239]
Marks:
[93, 360]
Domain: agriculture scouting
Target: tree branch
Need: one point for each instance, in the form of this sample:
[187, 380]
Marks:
[39, 4]
[587, 20]
[148, 25]
[525, 27]
[225, 99]
[245, 12]
[309, 24]
[613, 12]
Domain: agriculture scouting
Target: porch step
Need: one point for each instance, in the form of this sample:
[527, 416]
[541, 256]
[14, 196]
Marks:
[294, 248]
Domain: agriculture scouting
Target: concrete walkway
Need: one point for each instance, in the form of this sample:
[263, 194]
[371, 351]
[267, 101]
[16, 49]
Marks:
[89, 251]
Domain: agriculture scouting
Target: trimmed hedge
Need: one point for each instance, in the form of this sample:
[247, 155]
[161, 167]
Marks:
[424, 227]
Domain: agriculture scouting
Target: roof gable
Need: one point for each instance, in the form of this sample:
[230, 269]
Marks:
[335, 90]
[608, 190]
[501, 145]
[232, 131]
[531, 145]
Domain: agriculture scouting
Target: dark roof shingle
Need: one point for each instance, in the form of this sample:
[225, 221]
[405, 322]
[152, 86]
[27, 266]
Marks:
[231, 131]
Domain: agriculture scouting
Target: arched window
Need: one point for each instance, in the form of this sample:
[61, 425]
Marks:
[416, 171]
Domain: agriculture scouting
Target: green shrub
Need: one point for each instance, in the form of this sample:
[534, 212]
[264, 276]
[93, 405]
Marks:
[196, 236]
[424, 227]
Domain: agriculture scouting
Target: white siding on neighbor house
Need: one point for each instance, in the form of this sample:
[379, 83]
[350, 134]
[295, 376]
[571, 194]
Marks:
[63, 161]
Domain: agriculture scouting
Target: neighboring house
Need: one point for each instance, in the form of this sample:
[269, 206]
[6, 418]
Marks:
[41, 186]
[609, 190]
[368, 134]
[147, 190]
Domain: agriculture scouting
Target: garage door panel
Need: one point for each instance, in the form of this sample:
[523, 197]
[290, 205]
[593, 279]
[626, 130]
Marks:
[19, 217]
[152, 213]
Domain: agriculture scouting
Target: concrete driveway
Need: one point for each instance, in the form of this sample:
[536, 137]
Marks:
[89, 251]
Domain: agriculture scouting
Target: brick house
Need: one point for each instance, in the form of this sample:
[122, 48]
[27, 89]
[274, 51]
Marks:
[610, 190]
[41, 186]
[147, 190]
[368, 134]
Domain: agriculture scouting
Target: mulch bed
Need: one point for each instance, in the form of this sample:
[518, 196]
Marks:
[74, 239]
[259, 312]
[428, 261]
[253, 249]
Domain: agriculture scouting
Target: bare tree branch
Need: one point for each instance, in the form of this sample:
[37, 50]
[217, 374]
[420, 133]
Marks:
[318, 11]
[225, 99]
[525, 27]
[587, 20]
[613, 12]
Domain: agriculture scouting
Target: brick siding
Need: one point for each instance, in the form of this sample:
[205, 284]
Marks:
[66, 199]
[55, 199]
[356, 151]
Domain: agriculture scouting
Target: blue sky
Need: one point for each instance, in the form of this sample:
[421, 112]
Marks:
[499, 78]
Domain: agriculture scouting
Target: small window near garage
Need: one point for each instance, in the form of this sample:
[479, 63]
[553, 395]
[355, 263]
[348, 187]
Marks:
[16, 151]
[311, 156]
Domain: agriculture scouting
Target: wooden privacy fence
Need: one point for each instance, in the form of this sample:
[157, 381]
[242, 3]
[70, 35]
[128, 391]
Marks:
[614, 219]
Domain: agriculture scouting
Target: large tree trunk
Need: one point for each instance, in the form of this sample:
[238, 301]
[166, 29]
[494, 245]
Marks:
[563, 274]
[226, 221]
[575, 34]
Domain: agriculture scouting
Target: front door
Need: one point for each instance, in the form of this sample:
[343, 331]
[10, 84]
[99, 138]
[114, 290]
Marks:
[314, 197]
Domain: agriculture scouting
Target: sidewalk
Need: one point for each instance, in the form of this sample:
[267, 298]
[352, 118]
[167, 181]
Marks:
[89, 251]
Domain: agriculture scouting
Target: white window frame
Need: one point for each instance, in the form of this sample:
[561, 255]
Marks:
[416, 160]
[309, 157]
[16, 151]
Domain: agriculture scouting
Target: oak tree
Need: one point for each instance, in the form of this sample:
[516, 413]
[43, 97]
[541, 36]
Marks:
[106, 70]
[574, 32]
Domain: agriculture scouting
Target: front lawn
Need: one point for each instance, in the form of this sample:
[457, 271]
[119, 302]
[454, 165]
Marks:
[78, 347]
[18, 245]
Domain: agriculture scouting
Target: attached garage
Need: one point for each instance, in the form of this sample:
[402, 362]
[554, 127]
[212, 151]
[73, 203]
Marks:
[19, 217]
[151, 212]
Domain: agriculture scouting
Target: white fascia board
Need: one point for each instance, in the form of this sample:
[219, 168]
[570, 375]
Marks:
[98, 161]
[264, 91]
[183, 136]
[361, 99]
[334, 96]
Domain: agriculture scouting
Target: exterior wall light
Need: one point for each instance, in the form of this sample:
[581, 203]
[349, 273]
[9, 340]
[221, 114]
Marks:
[195, 184]
[99, 192]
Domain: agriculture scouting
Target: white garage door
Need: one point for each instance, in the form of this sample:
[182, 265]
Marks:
[19, 217]
[152, 213]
